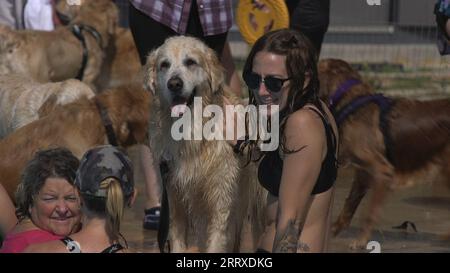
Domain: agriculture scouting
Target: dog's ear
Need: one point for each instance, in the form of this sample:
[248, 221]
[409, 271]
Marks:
[150, 71]
[215, 70]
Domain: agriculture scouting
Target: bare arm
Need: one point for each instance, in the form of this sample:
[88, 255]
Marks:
[8, 217]
[304, 131]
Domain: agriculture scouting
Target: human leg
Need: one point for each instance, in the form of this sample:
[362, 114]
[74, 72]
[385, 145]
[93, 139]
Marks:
[148, 34]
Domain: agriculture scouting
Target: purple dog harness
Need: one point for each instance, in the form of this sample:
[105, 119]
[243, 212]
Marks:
[384, 103]
[341, 90]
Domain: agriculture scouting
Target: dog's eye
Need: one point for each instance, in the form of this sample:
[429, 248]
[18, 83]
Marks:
[164, 65]
[189, 62]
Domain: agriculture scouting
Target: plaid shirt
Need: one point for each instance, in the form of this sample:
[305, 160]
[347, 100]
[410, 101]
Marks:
[216, 16]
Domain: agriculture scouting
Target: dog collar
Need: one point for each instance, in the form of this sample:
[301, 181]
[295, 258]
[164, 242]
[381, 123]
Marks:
[385, 104]
[340, 92]
[77, 30]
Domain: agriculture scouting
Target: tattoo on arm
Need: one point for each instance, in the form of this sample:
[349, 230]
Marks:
[286, 240]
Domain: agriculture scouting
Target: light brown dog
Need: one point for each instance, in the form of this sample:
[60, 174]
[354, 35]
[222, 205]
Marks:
[211, 195]
[57, 55]
[78, 127]
[122, 65]
[23, 100]
[419, 144]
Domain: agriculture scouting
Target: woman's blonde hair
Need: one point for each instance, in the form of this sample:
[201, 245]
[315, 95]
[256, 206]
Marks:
[111, 207]
[115, 204]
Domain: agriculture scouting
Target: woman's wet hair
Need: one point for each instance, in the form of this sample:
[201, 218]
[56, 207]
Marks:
[301, 65]
[51, 163]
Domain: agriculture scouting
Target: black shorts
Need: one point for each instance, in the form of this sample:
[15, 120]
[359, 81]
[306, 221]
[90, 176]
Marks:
[149, 34]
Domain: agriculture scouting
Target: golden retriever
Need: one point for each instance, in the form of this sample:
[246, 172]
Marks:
[210, 193]
[23, 100]
[78, 127]
[406, 145]
[122, 65]
[58, 55]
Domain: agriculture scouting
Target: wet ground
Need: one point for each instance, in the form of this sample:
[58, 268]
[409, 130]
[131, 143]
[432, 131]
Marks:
[427, 206]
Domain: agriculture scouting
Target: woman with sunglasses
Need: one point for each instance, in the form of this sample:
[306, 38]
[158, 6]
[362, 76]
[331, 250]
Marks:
[281, 70]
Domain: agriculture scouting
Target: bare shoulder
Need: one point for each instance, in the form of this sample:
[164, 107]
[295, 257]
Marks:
[47, 247]
[304, 128]
[304, 121]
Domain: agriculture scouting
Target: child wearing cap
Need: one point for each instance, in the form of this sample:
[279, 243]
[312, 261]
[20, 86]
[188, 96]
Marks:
[105, 183]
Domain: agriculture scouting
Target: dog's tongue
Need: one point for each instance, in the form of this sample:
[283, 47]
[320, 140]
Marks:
[178, 109]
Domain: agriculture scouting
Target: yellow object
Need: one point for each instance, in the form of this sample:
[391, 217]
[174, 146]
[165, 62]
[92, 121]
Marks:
[256, 17]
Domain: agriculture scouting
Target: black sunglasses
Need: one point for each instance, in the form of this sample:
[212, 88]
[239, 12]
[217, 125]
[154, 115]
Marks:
[272, 83]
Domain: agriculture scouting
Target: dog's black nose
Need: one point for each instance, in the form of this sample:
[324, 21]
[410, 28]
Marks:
[175, 84]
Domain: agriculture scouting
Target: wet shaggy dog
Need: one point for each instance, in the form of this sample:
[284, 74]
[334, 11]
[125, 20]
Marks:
[406, 145]
[210, 193]
[58, 55]
[77, 126]
[23, 100]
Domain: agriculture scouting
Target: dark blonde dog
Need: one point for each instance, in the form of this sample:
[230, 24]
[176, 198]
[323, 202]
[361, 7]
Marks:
[211, 194]
[417, 150]
[121, 65]
[77, 126]
[58, 55]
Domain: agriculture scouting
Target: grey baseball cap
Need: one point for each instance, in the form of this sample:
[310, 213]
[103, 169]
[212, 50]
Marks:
[100, 163]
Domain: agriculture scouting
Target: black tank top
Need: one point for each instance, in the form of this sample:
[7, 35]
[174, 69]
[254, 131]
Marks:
[271, 166]
[73, 246]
